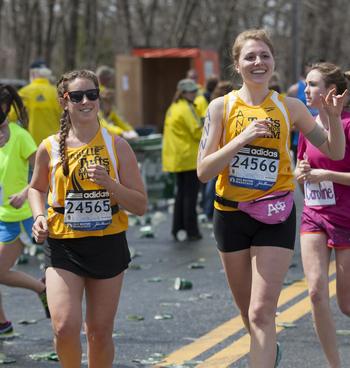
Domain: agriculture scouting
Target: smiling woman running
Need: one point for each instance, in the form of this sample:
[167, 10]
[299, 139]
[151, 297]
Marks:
[91, 177]
[245, 142]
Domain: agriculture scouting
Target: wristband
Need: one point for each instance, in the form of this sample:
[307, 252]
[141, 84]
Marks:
[38, 216]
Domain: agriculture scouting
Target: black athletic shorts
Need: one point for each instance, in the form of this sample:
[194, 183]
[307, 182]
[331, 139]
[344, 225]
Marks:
[236, 231]
[98, 257]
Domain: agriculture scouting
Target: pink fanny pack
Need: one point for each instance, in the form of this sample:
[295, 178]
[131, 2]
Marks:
[270, 209]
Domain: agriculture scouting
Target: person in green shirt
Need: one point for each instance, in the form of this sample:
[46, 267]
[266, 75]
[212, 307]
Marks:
[17, 151]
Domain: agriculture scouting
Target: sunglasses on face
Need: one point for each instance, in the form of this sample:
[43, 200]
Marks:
[77, 96]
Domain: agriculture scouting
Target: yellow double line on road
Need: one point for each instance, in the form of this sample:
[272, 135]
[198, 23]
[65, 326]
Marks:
[235, 351]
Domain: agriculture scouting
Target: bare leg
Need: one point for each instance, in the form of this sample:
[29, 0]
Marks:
[8, 256]
[64, 295]
[343, 280]
[2, 312]
[102, 298]
[237, 266]
[316, 258]
[269, 267]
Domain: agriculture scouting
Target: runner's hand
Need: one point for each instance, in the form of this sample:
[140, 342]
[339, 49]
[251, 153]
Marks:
[40, 230]
[303, 170]
[316, 175]
[333, 104]
[99, 175]
[16, 200]
[256, 129]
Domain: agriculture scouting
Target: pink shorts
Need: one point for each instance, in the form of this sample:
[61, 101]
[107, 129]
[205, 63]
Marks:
[312, 222]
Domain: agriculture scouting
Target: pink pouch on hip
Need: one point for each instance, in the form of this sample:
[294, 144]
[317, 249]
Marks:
[270, 209]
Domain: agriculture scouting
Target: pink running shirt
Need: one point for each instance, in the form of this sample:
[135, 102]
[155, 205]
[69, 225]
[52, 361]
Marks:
[339, 213]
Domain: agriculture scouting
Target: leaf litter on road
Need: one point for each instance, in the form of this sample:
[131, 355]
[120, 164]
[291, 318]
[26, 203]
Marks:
[45, 356]
[27, 322]
[286, 324]
[195, 266]
[343, 332]
[163, 316]
[154, 359]
[135, 317]
[4, 359]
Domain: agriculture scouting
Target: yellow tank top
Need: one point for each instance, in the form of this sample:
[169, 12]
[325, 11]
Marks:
[85, 206]
[264, 166]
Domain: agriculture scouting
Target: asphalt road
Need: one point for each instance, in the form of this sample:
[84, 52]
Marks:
[187, 314]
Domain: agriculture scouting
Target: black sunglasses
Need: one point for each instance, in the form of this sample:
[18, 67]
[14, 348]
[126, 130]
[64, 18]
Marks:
[77, 96]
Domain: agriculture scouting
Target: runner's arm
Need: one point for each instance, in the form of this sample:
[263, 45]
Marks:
[129, 192]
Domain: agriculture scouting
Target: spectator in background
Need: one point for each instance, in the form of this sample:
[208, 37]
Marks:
[110, 119]
[105, 75]
[182, 133]
[41, 102]
[275, 83]
[201, 102]
[222, 88]
[298, 90]
[192, 74]
[17, 151]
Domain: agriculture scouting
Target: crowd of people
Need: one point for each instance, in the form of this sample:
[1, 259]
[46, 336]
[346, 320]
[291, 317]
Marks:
[77, 178]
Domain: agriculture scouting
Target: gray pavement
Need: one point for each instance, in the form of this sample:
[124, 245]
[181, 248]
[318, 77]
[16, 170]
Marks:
[149, 291]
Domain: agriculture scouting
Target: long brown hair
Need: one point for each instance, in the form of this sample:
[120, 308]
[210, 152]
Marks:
[9, 97]
[65, 122]
[332, 74]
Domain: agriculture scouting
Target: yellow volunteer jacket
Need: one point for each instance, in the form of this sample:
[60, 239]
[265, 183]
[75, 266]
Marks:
[182, 133]
[263, 166]
[44, 112]
[114, 123]
[100, 150]
[201, 105]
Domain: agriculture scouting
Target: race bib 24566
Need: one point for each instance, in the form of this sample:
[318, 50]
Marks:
[254, 167]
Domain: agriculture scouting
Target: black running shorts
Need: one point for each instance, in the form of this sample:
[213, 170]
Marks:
[98, 257]
[236, 231]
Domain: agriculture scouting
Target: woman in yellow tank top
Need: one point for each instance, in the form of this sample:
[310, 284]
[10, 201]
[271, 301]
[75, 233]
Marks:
[91, 177]
[245, 142]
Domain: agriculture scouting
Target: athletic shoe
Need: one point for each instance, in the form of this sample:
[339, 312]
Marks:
[278, 355]
[43, 299]
[6, 328]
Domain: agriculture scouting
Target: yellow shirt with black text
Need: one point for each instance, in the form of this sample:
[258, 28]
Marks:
[100, 150]
[263, 166]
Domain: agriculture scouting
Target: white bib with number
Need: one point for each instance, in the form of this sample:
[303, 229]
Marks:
[319, 194]
[87, 211]
[254, 167]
